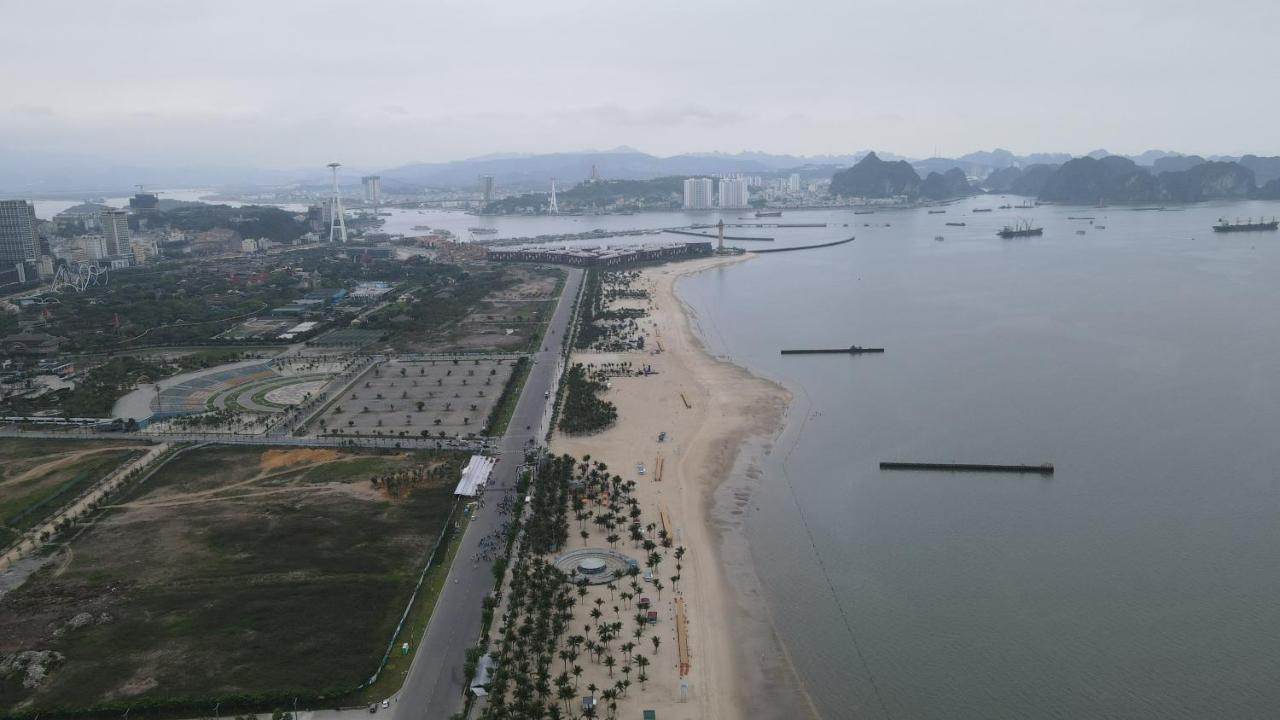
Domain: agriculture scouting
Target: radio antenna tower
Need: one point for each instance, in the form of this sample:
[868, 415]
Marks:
[553, 208]
[337, 222]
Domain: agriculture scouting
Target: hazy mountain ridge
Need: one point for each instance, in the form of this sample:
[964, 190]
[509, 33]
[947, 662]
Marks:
[27, 172]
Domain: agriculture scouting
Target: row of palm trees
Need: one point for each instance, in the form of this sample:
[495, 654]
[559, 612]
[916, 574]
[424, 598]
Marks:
[584, 411]
[536, 628]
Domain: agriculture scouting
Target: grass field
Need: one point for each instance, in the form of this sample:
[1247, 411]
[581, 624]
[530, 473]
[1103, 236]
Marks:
[233, 572]
[39, 476]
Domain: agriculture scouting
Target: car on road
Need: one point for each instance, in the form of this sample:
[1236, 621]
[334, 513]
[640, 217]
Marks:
[386, 703]
[373, 707]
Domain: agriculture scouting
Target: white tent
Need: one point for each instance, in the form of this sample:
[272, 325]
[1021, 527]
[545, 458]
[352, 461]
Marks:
[474, 476]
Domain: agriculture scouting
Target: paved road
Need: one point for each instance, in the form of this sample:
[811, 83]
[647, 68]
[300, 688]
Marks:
[433, 689]
[366, 441]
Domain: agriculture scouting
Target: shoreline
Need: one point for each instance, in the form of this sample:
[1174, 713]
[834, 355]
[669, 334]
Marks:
[720, 419]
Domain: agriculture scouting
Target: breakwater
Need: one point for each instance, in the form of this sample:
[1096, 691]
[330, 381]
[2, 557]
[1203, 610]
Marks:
[715, 237]
[804, 247]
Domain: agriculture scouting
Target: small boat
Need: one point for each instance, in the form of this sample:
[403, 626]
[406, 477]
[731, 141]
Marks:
[1080, 217]
[938, 238]
[937, 212]
[483, 230]
[1006, 207]
[1100, 227]
[863, 212]
[959, 224]
[982, 209]
[1079, 232]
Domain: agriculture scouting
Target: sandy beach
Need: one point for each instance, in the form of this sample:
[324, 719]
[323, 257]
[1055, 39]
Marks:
[712, 412]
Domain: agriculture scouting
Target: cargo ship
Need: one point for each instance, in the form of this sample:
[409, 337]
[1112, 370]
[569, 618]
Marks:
[1237, 226]
[769, 213]
[1022, 229]
[959, 224]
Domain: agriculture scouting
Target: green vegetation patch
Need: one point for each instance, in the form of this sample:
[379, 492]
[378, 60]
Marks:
[38, 477]
[584, 411]
[240, 575]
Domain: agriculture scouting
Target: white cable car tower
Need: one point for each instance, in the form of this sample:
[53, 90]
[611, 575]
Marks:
[553, 208]
[337, 219]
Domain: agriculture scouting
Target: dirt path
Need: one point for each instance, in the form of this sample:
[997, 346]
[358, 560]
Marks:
[30, 540]
[62, 461]
[293, 489]
[213, 494]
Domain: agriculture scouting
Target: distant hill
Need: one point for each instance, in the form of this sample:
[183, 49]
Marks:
[872, 177]
[1085, 181]
[1176, 163]
[1269, 191]
[1088, 180]
[1265, 169]
[944, 186]
[1027, 180]
[1207, 181]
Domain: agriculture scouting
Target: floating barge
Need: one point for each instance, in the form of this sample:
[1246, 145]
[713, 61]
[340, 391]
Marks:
[851, 350]
[1045, 469]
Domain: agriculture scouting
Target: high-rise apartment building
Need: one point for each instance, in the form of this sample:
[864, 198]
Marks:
[698, 194]
[733, 192]
[115, 231]
[793, 184]
[372, 189]
[17, 233]
[486, 182]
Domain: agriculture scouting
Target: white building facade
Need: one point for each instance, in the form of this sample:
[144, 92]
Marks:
[698, 194]
[733, 192]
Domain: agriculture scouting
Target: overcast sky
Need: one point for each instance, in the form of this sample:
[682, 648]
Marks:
[284, 83]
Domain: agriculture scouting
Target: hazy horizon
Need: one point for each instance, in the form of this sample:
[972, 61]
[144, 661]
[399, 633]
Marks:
[238, 83]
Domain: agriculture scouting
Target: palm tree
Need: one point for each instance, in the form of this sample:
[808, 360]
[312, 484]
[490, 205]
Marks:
[609, 662]
[642, 662]
[656, 642]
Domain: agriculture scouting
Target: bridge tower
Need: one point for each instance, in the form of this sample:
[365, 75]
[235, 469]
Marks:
[553, 208]
[720, 233]
[337, 219]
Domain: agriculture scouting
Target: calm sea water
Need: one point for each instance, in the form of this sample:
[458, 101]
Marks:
[1143, 360]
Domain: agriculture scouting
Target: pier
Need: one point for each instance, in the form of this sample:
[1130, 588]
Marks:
[1045, 469]
[764, 225]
